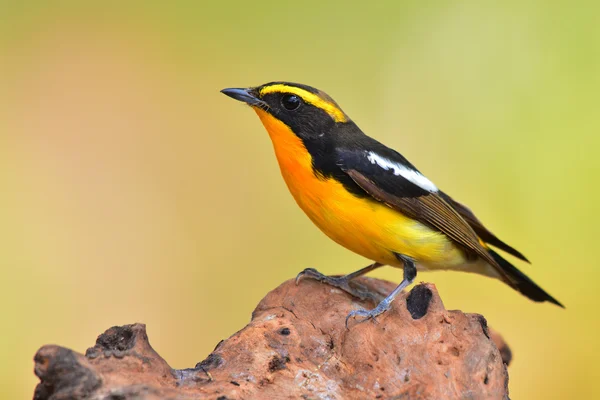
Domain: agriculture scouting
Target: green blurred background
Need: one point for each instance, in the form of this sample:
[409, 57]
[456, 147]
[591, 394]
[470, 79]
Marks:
[132, 190]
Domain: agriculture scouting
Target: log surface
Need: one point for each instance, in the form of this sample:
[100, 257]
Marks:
[297, 347]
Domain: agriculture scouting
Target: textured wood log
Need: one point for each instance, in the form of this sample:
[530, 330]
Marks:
[297, 347]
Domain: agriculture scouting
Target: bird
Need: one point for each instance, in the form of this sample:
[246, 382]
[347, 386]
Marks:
[370, 199]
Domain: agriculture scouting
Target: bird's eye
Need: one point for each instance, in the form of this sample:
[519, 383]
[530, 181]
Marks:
[290, 102]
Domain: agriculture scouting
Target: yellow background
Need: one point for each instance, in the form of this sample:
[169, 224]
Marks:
[132, 190]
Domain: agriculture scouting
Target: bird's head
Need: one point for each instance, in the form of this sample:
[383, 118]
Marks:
[308, 112]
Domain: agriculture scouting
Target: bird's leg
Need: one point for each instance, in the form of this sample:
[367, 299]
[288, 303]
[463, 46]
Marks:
[342, 282]
[410, 272]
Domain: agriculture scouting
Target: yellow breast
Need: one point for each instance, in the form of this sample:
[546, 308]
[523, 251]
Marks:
[364, 226]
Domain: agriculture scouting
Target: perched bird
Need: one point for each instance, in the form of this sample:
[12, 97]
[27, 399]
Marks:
[370, 199]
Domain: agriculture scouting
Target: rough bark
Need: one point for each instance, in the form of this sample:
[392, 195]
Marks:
[297, 347]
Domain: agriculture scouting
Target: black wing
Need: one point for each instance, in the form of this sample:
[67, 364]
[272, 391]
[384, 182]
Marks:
[481, 230]
[389, 178]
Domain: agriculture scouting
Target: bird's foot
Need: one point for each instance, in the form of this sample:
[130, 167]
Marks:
[342, 282]
[382, 307]
[409, 275]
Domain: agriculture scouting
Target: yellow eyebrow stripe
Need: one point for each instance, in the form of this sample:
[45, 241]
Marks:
[311, 98]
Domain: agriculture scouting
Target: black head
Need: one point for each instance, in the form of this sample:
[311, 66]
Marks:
[310, 113]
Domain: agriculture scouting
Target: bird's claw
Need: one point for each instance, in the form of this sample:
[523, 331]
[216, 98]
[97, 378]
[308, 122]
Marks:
[357, 313]
[310, 273]
[341, 282]
[369, 314]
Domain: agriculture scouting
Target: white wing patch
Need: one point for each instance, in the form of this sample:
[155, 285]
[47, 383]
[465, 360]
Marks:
[403, 171]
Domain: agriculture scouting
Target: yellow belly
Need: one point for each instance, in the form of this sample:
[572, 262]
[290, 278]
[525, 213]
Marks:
[362, 225]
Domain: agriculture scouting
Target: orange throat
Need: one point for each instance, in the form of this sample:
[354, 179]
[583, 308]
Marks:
[291, 153]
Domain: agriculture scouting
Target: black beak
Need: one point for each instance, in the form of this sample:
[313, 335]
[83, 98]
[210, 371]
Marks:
[245, 95]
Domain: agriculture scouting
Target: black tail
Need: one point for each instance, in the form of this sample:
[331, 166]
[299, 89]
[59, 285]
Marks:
[520, 282]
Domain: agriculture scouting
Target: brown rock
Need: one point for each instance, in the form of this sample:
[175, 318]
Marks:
[297, 346]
